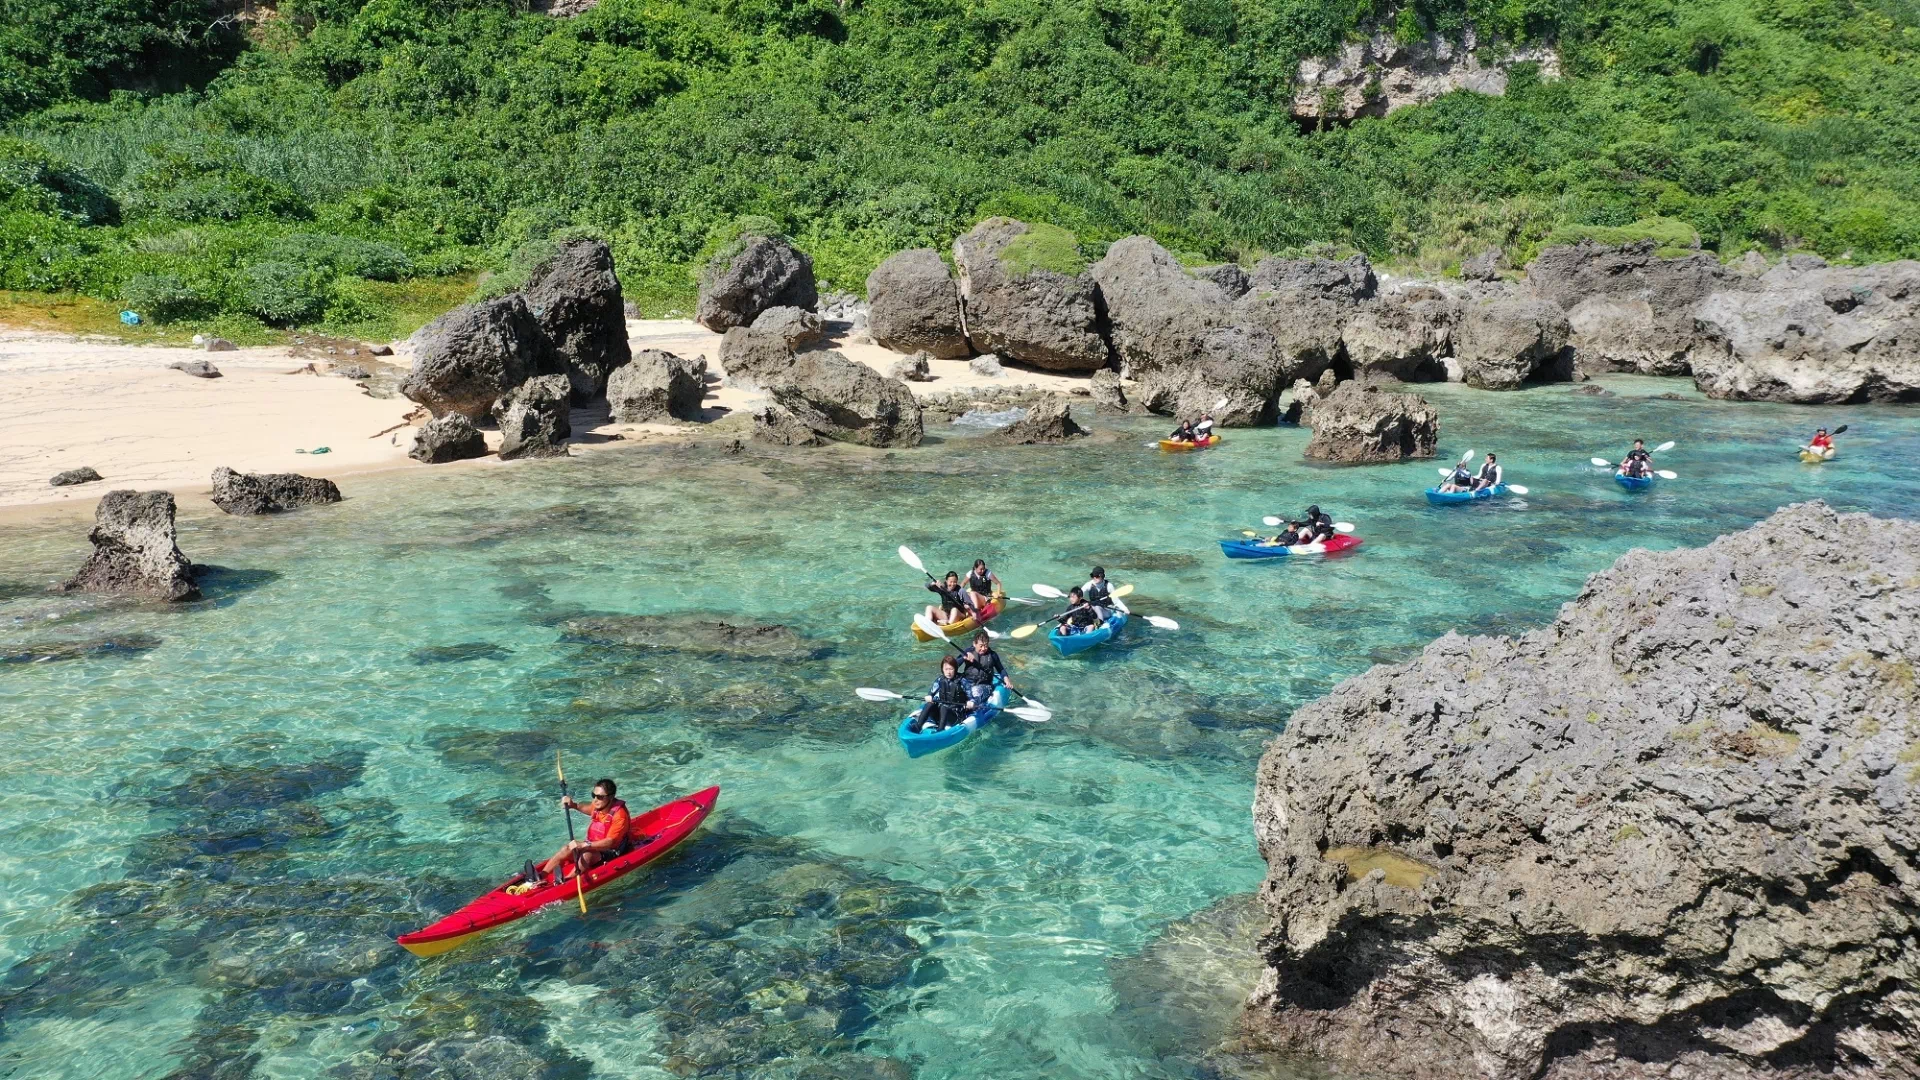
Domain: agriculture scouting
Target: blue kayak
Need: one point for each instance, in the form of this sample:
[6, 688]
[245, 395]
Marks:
[1449, 498]
[1068, 644]
[1633, 483]
[1257, 549]
[927, 742]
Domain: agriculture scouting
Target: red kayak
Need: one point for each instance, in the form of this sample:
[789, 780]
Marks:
[668, 825]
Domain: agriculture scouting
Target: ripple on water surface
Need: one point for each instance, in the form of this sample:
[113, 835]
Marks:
[218, 814]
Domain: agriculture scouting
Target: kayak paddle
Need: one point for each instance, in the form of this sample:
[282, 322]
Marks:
[1039, 714]
[579, 886]
[1338, 526]
[907, 556]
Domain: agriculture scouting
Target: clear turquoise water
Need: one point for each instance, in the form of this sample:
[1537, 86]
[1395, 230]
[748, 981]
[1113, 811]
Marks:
[213, 829]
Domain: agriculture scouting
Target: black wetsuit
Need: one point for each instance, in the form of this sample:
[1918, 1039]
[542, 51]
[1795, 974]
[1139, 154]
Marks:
[1080, 618]
[1638, 463]
[950, 599]
[978, 669]
[1320, 527]
[950, 705]
[1461, 478]
[1183, 433]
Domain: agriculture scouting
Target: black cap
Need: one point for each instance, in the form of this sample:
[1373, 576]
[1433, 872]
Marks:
[1312, 510]
[1098, 572]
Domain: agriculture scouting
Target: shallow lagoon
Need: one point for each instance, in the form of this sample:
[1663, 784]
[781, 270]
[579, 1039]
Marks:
[217, 816]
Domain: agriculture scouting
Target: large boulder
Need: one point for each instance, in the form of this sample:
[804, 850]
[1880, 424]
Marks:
[1401, 336]
[1031, 314]
[447, 438]
[1107, 391]
[1506, 339]
[1158, 313]
[1351, 278]
[1813, 333]
[474, 355]
[751, 355]
[658, 386]
[1049, 420]
[1235, 372]
[269, 493]
[1629, 309]
[1305, 305]
[535, 420]
[774, 425]
[839, 399]
[575, 297]
[1357, 423]
[1672, 834]
[750, 276]
[914, 306]
[135, 552]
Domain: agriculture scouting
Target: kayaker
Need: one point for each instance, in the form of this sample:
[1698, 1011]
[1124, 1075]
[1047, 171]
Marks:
[1080, 616]
[1183, 433]
[1203, 430]
[1638, 461]
[607, 834]
[979, 666]
[1490, 475]
[1097, 591]
[953, 605]
[1461, 480]
[1319, 526]
[1293, 534]
[946, 704]
[1822, 443]
[982, 585]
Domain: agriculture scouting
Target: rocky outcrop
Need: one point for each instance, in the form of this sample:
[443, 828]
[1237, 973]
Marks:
[1813, 333]
[1379, 73]
[245, 494]
[472, 356]
[776, 426]
[1485, 266]
[1231, 279]
[915, 368]
[575, 298]
[1351, 278]
[1033, 315]
[535, 420]
[657, 386]
[751, 355]
[1049, 420]
[1629, 309]
[914, 306]
[1305, 305]
[1362, 424]
[1403, 336]
[1506, 339]
[447, 438]
[844, 401]
[1107, 392]
[747, 278]
[1236, 373]
[1675, 833]
[134, 550]
[82, 475]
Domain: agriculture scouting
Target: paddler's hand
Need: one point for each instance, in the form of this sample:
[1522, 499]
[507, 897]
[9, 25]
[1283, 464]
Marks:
[567, 803]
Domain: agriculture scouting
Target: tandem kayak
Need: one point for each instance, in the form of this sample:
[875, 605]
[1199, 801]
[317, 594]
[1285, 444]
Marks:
[1449, 498]
[960, 627]
[665, 826]
[1814, 457]
[1069, 644]
[1254, 549]
[1633, 483]
[926, 742]
[1175, 446]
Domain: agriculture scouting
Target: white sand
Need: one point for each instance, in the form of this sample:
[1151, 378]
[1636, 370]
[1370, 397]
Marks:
[67, 402]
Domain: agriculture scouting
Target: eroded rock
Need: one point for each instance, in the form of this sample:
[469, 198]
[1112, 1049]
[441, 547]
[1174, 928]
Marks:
[1049, 420]
[269, 493]
[134, 550]
[474, 355]
[447, 438]
[1813, 333]
[575, 298]
[535, 420]
[1506, 339]
[845, 401]
[1355, 423]
[657, 385]
[914, 305]
[758, 273]
[82, 475]
[1032, 314]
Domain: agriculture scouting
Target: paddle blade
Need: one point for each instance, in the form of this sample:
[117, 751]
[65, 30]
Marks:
[1031, 716]
[1516, 489]
[1049, 592]
[1663, 448]
[1024, 631]
[874, 693]
[1447, 472]
[1124, 590]
[1248, 532]
[1466, 457]
[1027, 600]
[1666, 474]
[929, 627]
[1343, 526]
[1162, 622]
[1031, 703]
[1841, 430]
[1269, 520]
[1601, 462]
[558, 769]
[907, 556]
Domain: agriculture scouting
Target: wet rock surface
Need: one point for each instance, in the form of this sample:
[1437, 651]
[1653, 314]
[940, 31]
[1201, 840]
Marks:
[1361, 424]
[845, 401]
[269, 493]
[134, 550]
[1673, 832]
[1813, 333]
[695, 634]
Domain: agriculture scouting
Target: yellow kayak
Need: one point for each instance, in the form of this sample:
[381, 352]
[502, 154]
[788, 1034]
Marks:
[1178, 445]
[958, 627]
[1813, 458]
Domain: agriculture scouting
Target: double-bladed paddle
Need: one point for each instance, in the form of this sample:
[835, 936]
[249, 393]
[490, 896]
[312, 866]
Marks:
[928, 626]
[1841, 430]
[579, 885]
[1158, 621]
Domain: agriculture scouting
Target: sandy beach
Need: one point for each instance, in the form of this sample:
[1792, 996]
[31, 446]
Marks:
[68, 402]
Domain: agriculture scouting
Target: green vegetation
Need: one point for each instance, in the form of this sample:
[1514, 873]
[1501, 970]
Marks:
[289, 170]
[1043, 247]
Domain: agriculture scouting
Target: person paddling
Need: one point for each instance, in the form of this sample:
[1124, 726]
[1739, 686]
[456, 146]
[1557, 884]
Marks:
[1098, 592]
[1183, 433]
[608, 836]
[1490, 475]
[1294, 533]
[982, 585]
[1638, 461]
[1319, 526]
[1203, 430]
[953, 605]
[979, 667]
[1460, 480]
[1821, 443]
[946, 704]
[1080, 615]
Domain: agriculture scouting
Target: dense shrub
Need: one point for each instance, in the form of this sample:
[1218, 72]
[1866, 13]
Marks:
[160, 297]
[283, 294]
[341, 255]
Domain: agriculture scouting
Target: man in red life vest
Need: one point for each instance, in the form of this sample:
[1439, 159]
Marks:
[607, 834]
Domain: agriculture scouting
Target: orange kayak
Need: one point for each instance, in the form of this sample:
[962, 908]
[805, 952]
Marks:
[668, 825]
[1179, 445]
[967, 625]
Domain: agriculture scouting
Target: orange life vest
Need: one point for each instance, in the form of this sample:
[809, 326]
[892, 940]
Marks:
[612, 822]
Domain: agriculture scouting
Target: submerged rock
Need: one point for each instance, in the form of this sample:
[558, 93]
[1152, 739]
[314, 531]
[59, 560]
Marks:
[134, 550]
[459, 654]
[1673, 832]
[45, 652]
[1361, 424]
[1049, 420]
[269, 493]
[695, 634]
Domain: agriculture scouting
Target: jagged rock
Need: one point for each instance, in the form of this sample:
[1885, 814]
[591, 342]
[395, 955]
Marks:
[1049, 420]
[1327, 381]
[1506, 339]
[245, 494]
[1304, 306]
[199, 369]
[843, 307]
[1159, 315]
[988, 365]
[915, 368]
[1349, 279]
[575, 297]
[657, 386]
[82, 475]
[1400, 337]
[1230, 278]
[698, 635]
[947, 406]
[1484, 266]
[1107, 392]
[1361, 424]
[1376, 74]
[447, 438]
[1628, 309]
[1235, 373]
[1813, 333]
[913, 305]
[1752, 264]
[779, 427]
[751, 355]
[1039, 317]
[134, 550]
[844, 401]
[764, 272]
[1297, 400]
[220, 344]
[474, 355]
[795, 326]
[535, 420]
[1672, 834]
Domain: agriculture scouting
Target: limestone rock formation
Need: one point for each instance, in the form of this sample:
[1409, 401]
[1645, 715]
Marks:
[751, 355]
[1355, 423]
[134, 550]
[1049, 420]
[1230, 278]
[1235, 372]
[757, 273]
[245, 494]
[1379, 73]
[1672, 834]
[1483, 267]
[82, 475]
[839, 399]
[1813, 333]
[1628, 309]
[1107, 391]
[535, 420]
[1402, 336]
[1508, 338]
[447, 438]
[1030, 314]
[657, 385]
[575, 297]
[778, 427]
[1159, 314]
[1349, 279]
[472, 356]
[914, 306]
[915, 368]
